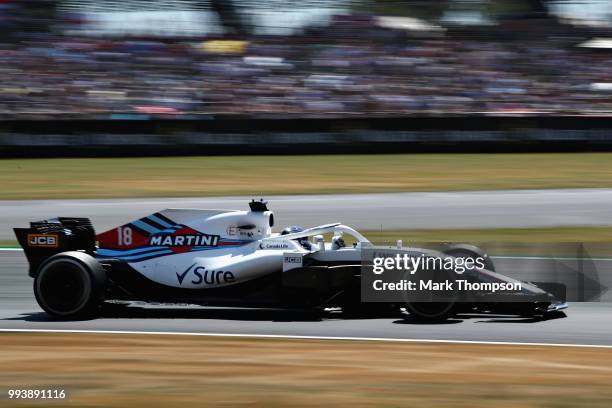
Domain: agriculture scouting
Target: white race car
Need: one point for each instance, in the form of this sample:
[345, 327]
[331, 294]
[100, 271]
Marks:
[226, 258]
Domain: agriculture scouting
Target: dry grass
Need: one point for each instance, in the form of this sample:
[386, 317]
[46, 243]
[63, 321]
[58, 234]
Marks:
[266, 175]
[164, 371]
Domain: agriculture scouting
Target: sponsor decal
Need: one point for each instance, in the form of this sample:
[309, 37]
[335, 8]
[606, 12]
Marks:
[43, 240]
[201, 275]
[292, 261]
[181, 276]
[232, 230]
[184, 240]
[274, 245]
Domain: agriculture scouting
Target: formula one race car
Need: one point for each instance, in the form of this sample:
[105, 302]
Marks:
[223, 258]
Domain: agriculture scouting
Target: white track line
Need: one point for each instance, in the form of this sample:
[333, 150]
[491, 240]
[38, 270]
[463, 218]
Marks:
[298, 337]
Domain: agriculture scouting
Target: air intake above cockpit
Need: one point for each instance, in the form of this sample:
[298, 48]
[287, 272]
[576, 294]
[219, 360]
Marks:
[258, 206]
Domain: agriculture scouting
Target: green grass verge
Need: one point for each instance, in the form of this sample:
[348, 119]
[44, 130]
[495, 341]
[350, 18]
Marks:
[267, 175]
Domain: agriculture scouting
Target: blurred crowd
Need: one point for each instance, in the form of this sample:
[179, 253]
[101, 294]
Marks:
[352, 66]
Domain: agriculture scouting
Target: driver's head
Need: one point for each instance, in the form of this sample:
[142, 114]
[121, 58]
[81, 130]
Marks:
[304, 242]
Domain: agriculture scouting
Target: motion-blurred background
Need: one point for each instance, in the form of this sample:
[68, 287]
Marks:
[103, 58]
[230, 76]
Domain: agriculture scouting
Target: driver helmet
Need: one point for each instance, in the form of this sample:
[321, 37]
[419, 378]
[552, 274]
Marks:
[304, 242]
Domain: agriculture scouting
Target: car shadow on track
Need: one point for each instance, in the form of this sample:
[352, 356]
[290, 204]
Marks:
[32, 317]
[460, 318]
[409, 320]
[268, 315]
[527, 319]
[273, 315]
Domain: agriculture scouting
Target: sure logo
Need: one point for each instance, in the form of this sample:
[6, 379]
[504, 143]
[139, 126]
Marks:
[43, 240]
[209, 277]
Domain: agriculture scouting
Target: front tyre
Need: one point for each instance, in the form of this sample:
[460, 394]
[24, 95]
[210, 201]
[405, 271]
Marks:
[471, 252]
[431, 312]
[70, 286]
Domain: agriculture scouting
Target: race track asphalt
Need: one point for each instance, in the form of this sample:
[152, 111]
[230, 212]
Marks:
[585, 323]
[482, 209]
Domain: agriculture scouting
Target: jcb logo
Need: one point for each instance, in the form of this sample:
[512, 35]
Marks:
[41, 240]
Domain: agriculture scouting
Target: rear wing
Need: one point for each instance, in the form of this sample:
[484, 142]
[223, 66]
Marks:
[48, 237]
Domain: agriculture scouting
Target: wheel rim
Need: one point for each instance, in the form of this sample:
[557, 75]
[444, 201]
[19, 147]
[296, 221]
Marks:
[469, 255]
[63, 287]
[430, 309]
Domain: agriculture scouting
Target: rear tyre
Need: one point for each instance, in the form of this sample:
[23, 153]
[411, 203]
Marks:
[70, 286]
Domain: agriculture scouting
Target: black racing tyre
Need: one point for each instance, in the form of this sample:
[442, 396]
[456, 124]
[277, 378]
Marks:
[70, 285]
[431, 311]
[470, 252]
